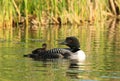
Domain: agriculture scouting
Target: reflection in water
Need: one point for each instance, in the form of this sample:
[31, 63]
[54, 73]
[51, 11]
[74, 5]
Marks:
[101, 44]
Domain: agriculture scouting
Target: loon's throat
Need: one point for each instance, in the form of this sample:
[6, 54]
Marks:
[75, 49]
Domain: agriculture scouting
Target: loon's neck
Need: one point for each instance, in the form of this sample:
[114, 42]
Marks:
[75, 49]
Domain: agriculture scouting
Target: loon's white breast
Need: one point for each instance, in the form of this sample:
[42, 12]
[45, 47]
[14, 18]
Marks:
[77, 57]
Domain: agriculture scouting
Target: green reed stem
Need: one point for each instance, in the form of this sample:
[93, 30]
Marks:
[26, 15]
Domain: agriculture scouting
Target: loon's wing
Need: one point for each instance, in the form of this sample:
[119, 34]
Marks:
[55, 53]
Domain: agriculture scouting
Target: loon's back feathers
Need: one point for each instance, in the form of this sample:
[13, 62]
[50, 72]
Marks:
[52, 53]
[58, 50]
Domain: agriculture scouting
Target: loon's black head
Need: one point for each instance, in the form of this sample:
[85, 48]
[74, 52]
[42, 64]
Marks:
[72, 42]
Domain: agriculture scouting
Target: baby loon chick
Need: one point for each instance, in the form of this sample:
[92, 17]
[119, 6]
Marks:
[38, 50]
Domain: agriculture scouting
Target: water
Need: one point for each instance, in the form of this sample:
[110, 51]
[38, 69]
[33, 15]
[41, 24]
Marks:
[101, 43]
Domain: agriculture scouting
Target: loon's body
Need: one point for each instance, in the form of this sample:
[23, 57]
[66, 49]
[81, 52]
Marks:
[74, 53]
[51, 54]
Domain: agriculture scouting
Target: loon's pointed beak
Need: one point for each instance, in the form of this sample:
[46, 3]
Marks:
[63, 43]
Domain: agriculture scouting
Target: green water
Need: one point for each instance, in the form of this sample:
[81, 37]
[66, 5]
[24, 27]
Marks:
[101, 43]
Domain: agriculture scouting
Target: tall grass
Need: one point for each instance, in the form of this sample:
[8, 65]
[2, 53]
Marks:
[26, 19]
[68, 10]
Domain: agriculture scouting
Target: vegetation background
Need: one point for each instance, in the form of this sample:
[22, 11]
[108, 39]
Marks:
[57, 11]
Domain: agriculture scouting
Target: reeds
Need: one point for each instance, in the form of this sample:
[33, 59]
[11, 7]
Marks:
[47, 11]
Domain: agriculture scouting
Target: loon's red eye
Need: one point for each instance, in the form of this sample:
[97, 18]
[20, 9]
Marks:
[69, 41]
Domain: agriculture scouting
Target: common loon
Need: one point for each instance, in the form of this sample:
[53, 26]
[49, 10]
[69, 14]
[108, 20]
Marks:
[74, 53]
